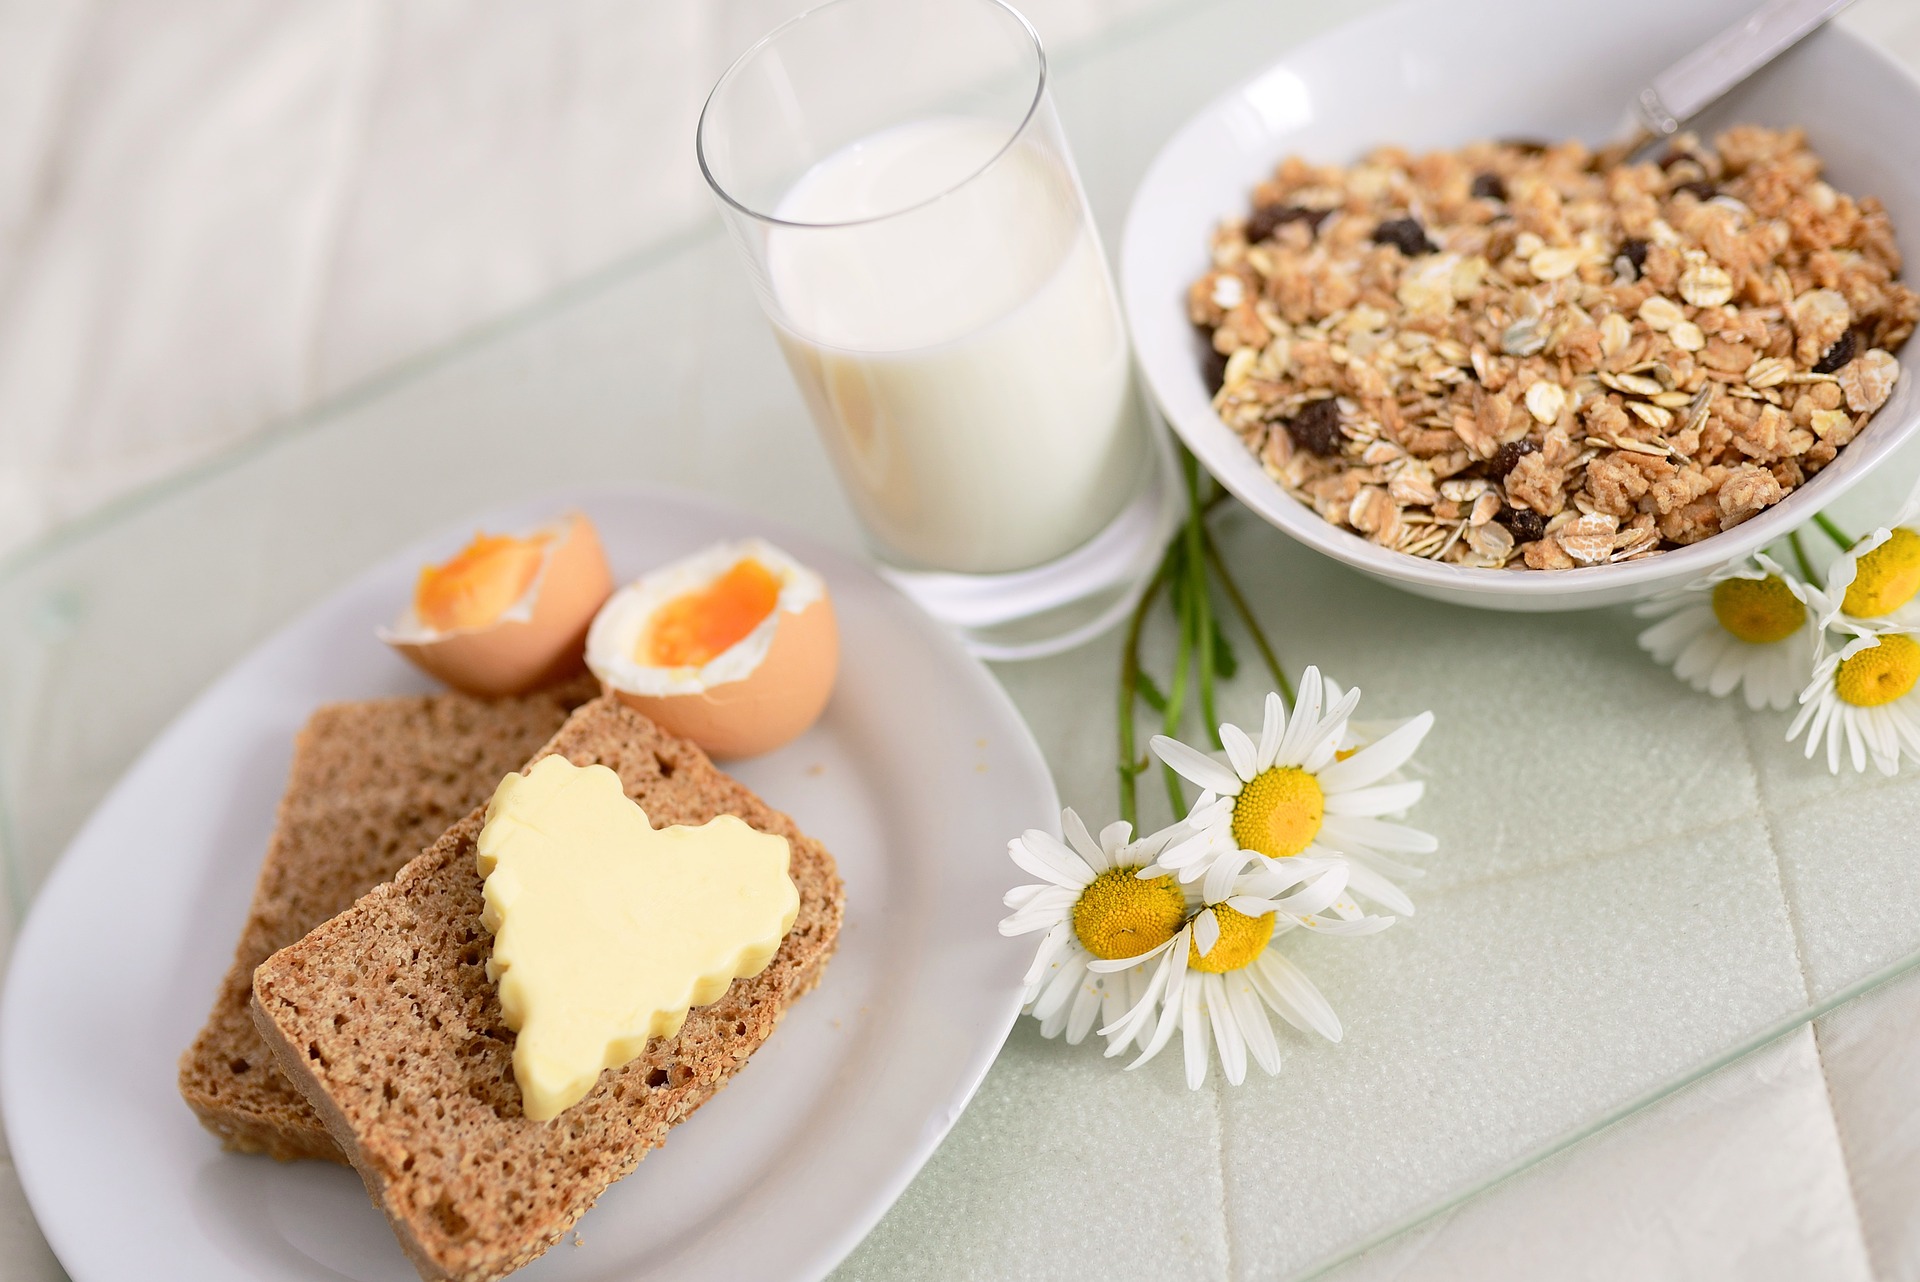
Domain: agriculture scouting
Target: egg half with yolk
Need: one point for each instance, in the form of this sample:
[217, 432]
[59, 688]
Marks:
[734, 647]
[508, 612]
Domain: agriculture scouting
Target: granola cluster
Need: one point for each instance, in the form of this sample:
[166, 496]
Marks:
[1540, 357]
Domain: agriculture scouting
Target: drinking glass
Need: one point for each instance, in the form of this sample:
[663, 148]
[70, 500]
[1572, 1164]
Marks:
[898, 183]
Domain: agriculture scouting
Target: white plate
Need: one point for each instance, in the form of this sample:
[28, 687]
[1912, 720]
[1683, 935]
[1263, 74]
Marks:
[1421, 74]
[915, 778]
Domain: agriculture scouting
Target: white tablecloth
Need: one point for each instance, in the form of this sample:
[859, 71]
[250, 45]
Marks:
[212, 214]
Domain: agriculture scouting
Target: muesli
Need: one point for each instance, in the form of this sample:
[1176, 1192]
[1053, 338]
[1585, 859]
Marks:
[1536, 356]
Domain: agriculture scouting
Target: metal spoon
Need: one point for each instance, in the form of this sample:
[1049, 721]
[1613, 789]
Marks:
[1689, 86]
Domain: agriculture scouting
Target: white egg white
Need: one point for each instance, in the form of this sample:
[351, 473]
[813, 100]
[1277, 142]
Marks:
[613, 642]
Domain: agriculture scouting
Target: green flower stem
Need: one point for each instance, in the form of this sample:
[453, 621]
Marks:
[1183, 652]
[1199, 600]
[1130, 693]
[1252, 624]
[1834, 532]
[1800, 555]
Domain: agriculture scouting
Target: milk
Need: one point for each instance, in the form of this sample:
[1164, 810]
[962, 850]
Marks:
[964, 360]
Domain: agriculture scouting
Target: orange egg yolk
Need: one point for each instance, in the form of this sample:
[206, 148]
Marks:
[698, 626]
[480, 584]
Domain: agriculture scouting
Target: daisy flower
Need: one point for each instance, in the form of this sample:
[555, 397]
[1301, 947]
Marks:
[1749, 624]
[1299, 794]
[1863, 695]
[1874, 582]
[1215, 980]
[1094, 907]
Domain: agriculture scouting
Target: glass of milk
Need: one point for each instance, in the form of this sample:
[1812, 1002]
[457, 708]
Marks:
[897, 180]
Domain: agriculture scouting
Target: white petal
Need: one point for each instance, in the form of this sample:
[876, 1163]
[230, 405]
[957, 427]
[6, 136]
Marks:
[1384, 866]
[1049, 952]
[1364, 926]
[1196, 766]
[1362, 880]
[1318, 895]
[1072, 971]
[1667, 638]
[1376, 834]
[1251, 1015]
[1046, 856]
[1021, 896]
[1324, 743]
[1226, 1031]
[1241, 754]
[1114, 1003]
[1086, 1004]
[1302, 721]
[1113, 838]
[1194, 1020]
[1172, 981]
[1221, 875]
[1101, 966]
[1382, 799]
[1272, 730]
[1293, 994]
[1206, 932]
[1378, 760]
[1082, 841]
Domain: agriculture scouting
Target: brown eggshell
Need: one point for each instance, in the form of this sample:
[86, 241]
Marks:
[772, 705]
[517, 655]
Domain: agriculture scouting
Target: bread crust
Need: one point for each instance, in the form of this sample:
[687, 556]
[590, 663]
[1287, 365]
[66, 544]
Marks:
[384, 1019]
[372, 784]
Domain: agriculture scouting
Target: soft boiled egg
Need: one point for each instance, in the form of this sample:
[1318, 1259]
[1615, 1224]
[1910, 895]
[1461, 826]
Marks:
[507, 613]
[734, 647]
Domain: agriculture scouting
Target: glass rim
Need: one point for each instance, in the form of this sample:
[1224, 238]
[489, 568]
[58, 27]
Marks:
[739, 64]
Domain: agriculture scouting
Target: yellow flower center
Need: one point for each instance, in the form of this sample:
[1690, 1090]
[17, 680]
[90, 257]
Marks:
[1886, 578]
[1241, 939]
[1121, 915]
[1880, 675]
[1758, 611]
[1279, 813]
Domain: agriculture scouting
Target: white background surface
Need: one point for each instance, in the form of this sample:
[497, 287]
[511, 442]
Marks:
[211, 214]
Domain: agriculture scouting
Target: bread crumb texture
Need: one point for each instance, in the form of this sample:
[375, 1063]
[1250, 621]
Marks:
[385, 1019]
[372, 784]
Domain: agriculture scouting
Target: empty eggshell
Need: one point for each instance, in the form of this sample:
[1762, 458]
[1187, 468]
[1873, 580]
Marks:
[539, 639]
[757, 694]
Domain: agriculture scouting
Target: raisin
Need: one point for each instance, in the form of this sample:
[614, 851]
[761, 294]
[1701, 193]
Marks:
[1405, 235]
[1269, 219]
[1700, 187]
[1316, 428]
[1634, 251]
[1213, 369]
[1489, 187]
[1837, 355]
[1508, 457]
[1674, 155]
[1526, 525]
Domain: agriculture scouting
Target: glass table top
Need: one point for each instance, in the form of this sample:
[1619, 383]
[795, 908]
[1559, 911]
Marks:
[1636, 884]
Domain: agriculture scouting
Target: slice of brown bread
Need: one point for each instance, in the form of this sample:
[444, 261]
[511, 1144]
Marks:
[372, 785]
[385, 1019]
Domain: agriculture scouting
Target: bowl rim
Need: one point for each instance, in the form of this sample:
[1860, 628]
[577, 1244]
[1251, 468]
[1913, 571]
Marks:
[1220, 450]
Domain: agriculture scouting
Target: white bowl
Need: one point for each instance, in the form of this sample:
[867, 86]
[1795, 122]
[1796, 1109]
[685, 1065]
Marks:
[1430, 75]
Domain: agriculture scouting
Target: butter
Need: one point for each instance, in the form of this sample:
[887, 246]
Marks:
[606, 930]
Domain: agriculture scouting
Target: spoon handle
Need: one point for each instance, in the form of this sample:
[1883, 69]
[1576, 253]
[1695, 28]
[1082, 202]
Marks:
[1686, 87]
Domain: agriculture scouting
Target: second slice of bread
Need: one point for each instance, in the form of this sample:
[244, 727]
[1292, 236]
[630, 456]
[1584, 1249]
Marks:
[373, 784]
[386, 1021]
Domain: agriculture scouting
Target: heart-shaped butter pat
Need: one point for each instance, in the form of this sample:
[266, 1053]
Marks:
[606, 929]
